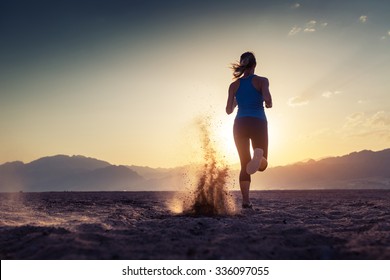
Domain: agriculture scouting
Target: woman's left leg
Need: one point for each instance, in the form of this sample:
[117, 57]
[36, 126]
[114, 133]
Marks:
[259, 139]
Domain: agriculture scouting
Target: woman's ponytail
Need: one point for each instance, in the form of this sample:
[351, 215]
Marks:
[247, 61]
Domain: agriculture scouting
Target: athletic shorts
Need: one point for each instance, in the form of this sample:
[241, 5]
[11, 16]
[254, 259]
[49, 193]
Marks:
[246, 130]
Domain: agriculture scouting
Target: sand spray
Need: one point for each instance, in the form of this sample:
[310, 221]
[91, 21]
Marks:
[208, 193]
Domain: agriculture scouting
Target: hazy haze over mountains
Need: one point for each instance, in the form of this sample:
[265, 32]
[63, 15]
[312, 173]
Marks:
[365, 169]
[65, 173]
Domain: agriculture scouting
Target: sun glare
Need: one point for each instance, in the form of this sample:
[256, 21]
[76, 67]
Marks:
[225, 141]
[223, 136]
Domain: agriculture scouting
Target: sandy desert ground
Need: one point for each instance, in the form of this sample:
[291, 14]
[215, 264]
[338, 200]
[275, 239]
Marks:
[332, 224]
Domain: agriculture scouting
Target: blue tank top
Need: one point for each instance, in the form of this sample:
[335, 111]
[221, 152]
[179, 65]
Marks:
[249, 100]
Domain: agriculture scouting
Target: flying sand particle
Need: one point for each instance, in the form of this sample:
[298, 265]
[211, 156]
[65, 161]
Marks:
[211, 195]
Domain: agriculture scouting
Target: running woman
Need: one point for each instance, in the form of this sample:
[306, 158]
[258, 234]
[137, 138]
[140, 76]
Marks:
[249, 92]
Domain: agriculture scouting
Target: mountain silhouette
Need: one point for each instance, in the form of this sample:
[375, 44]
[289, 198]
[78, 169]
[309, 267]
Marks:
[364, 169]
[65, 173]
[357, 170]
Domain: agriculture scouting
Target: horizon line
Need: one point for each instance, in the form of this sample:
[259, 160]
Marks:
[179, 166]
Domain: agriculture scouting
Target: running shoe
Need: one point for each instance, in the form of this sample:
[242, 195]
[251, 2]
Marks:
[255, 162]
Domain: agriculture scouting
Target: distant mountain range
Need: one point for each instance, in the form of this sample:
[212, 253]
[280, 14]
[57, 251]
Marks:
[358, 170]
[65, 173]
[365, 169]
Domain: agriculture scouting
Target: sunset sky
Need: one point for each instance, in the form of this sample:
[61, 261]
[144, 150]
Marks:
[124, 81]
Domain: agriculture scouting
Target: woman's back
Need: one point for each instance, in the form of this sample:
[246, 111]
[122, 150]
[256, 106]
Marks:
[249, 99]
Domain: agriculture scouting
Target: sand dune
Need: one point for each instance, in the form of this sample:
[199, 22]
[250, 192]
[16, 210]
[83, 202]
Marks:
[332, 224]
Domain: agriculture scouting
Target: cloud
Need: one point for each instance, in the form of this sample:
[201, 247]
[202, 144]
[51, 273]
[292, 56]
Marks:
[329, 94]
[380, 118]
[309, 27]
[363, 19]
[295, 6]
[364, 125]
[295, 30]
[298, 101]
[306, 97]
[354, 120]
[388, 32]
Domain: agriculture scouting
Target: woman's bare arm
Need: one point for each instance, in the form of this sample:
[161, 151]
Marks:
[231, 101]
[266, 94]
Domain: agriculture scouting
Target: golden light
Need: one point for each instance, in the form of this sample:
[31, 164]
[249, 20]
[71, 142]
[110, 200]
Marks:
[223, 134]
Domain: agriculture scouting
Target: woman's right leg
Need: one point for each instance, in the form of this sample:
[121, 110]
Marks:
[241, 140]
[259, 137]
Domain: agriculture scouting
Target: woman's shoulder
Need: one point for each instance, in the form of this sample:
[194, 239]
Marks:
[234, 85]
[235, 82]
[260, 78]
[260, 82]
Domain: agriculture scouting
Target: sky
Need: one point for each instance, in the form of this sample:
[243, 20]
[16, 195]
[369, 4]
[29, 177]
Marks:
[125, 81]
